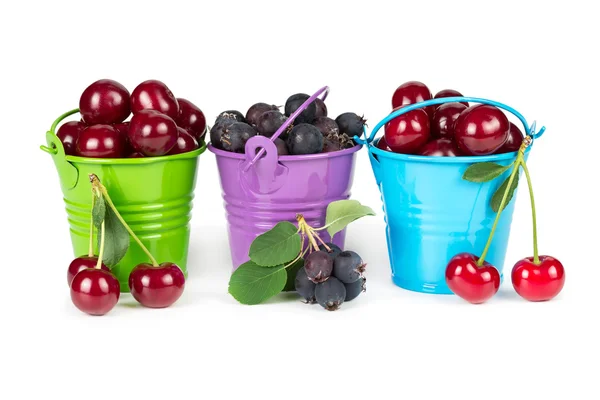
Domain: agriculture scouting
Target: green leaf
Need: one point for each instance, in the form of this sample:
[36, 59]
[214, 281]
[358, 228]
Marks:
[484, 171]
[342, 212]
[98, 211]
[277, 246]
[253, 284]
[116, 239]
[497, 197]
[292, 270]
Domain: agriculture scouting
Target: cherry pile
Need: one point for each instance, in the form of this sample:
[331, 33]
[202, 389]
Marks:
[161, 123]
[330, 277]
[312, 131]
[447, 130]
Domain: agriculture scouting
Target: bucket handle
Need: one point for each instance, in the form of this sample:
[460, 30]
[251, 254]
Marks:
[529, 130]
[324, 91]
[67, 172]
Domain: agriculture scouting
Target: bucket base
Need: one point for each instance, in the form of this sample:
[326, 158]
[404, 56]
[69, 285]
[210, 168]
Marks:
[430, 288]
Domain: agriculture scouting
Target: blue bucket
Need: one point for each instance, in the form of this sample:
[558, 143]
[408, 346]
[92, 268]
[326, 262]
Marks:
[431, 213]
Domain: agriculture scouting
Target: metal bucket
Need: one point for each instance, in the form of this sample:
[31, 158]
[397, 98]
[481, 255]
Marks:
[431, 213]
[154, 196]
[261, 188]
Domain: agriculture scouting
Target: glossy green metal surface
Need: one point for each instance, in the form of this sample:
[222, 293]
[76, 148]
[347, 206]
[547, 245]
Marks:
[153, 194]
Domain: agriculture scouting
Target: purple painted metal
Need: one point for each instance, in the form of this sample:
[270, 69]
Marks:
[261, 190]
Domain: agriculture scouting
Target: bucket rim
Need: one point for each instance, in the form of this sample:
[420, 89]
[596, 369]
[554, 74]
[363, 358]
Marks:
[242, 156]
[137, 161]
[372, 147]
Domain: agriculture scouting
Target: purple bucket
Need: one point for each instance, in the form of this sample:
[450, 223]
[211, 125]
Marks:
[260, 191]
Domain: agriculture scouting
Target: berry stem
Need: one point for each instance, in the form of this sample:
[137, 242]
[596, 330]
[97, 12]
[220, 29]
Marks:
[536, 258]
[101, 250]
[96, 182]
[313, 231]
[306, 229]
[91, 244]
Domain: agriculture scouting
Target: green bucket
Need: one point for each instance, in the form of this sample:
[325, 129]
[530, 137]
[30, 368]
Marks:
[154, 196]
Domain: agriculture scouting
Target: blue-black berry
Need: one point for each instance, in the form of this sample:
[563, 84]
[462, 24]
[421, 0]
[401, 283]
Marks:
[330, 294]
[355, 288]
[294, 102]
[348, 267]
[305, 287]
[305, 139]
[318, 266]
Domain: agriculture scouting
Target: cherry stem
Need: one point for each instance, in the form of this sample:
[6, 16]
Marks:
[97, 183]
[101, 251]
[91, 244]
[516, 164]
[536, 258]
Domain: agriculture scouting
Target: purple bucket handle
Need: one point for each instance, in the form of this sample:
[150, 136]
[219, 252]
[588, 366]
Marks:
[251, 161]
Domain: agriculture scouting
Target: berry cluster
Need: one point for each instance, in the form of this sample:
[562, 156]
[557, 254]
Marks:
[312, 130]
[330, 277]
[447, 130]
[161, 124]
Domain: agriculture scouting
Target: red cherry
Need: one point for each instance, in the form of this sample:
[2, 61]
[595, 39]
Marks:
[156, 287]
[410, 93]
[100, 141]
[191, 118]
[123, 129]
[514, 140]
[382, 144]
[81, 263]
[104, 102]
[538, 282]
[440, 148]
[449, 93]
[408, 132]
[152, 133]
[68, 133]
[154, 95]
[481, 130]
[135, 154]
[185, 142]
[95, 291]
[471, 282]
[442, 124]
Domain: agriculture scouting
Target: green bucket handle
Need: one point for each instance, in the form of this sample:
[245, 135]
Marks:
[68, 172]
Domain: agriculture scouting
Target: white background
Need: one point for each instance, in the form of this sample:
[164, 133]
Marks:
[542, 59]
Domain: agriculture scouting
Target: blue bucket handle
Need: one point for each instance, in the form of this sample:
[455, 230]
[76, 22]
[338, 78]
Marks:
[529, 130]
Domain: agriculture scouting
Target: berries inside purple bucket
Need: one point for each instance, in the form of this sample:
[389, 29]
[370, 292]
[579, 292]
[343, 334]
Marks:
[311, 132]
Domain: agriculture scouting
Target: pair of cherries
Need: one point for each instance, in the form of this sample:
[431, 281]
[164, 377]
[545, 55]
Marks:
[96, 290]
[533, 280]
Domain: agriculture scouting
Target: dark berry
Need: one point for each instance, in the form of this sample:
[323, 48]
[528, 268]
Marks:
[330, 294]
[269, 122]
[217, 132]
[256, 110]
[236, 135]
[355, 288]
[282, 149]
[351, 124]
[321, 108]
[305, 287]
[318, 266]
[326, 125]
[334, 249]
[305, 139]
[231, 114]
[348, 267]
[294, 102]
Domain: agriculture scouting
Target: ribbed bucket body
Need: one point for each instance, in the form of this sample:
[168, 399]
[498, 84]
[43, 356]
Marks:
[432, 214]
[277, 189]
[154, 195]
